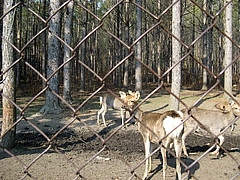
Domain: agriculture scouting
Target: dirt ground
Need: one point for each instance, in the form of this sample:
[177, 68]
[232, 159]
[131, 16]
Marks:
[84, 150]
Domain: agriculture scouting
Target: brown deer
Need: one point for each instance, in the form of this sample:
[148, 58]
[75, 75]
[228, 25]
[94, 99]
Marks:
[125, 100]
[213, 120]
[168, 128]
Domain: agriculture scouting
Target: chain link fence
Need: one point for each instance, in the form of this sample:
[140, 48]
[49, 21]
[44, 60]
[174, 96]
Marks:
[70, 144]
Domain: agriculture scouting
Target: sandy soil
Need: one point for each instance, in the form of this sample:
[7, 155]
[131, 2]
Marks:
[84, 150]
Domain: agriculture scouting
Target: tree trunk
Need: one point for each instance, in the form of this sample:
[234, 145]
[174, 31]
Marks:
[210, 44]
[159, 42]
[138, 70]
[52, 102]
[67, 52]
[205, 50]
[228, 50]
[44, 47]
[9, 111]
[126, 64]
[176, 55]
[83, 49]
[18, 30]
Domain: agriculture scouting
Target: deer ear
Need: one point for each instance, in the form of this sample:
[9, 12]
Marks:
[137, 95]
[122, 94]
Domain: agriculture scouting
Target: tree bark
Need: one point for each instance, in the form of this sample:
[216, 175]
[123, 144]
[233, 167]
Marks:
[176, 55]
[67, 53]
[83, 50]
[126, 64]
[52, 102]
[9, 111]
[228, 50]
[44, 43]
[138, 68]
[205, 50]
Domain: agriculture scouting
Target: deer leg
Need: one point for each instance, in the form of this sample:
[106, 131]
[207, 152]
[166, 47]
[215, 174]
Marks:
[221, 140]
[164, 163]
[98, 115]
[185, 134]
[178, 150]
[123, 115]
[147, 145]
[104, 111]
[150, 158]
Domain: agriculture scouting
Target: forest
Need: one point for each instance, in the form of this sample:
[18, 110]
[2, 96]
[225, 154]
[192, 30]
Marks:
[103, 33]
[60, 57]
[54, 49]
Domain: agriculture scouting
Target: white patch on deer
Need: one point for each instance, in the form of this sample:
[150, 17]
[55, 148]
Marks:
[170, 123]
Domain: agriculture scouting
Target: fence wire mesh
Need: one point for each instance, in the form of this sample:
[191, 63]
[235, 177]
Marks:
[61, 139]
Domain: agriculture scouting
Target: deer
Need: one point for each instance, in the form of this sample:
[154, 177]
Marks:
[167, 127]
[226, 107]
[125, 100]
[213, 120]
